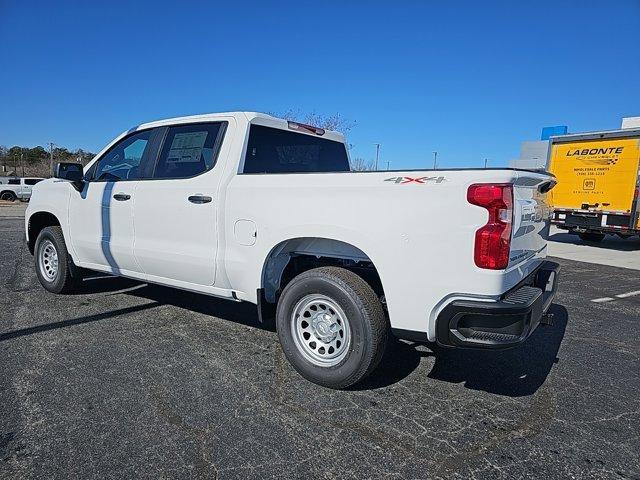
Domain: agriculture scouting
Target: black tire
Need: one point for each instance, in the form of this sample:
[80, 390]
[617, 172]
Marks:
[591, 236]
[8, 196]
[67, 276]
[368, 326]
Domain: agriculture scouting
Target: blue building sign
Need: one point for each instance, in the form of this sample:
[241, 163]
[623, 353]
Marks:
[548, 132]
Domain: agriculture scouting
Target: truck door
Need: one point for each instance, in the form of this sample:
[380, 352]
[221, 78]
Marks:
[101, 215]
[24, 191]
[27, 186]
[175, 209]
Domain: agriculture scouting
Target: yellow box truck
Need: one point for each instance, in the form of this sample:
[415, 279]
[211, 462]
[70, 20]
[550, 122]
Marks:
[598, 181]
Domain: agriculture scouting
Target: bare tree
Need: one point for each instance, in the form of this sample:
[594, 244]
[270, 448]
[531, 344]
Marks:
[329, 122]
[359, 164]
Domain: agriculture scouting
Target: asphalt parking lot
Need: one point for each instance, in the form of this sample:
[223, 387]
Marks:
[129, 380]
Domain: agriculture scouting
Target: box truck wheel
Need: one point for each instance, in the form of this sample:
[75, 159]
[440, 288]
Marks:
[331, 326]
[591, 236]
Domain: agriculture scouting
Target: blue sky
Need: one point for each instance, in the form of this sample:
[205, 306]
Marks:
[468, 79]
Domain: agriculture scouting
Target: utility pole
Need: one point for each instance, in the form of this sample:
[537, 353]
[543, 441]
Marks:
[22, 162]
[435, 160]
[377, 154]
[51, 156]
[485, 162]
[388, 162]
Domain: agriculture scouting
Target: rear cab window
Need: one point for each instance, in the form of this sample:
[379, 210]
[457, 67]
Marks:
[272, 150]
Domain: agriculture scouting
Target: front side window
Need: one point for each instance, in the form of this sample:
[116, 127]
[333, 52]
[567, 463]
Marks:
[188, 150]
[271, 150]
[122, 161]
[14, 181]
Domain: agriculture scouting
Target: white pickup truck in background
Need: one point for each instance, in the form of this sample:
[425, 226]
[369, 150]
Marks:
[16, 188]
[253, 208]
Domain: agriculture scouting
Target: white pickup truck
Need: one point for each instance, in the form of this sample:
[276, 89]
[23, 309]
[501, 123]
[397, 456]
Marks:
[16, 188]
[249, 207]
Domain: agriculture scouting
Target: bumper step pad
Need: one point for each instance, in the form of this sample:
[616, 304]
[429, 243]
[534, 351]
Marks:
[503, 323]
[494, 336]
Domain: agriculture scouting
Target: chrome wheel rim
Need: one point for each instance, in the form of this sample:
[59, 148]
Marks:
[320, 330]
[48, 260]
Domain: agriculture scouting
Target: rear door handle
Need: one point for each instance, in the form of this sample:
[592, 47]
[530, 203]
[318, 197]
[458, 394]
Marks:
[121, 197]
[199, 198]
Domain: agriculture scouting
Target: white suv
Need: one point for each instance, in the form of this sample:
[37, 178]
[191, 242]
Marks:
[16, 188]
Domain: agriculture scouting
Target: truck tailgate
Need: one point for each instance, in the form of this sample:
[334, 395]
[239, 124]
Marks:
[531, 216]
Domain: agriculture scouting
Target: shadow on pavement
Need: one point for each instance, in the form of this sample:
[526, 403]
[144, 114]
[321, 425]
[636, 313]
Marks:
[400, 360]
[238, 312]
[515, 372]
[74, 321]
[100, 283]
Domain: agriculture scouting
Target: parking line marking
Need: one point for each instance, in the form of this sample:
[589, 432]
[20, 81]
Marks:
[602, 300]
[629, 294]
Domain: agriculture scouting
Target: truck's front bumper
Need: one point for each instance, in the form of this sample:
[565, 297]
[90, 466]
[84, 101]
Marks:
[502, 324]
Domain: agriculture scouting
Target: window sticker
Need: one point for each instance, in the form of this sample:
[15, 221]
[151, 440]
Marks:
[186, 147]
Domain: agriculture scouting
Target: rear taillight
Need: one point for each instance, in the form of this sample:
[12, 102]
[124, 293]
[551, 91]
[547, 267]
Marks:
[493, 240]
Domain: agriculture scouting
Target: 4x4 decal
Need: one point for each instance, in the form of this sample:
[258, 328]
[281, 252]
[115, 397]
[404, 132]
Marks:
[402, 180]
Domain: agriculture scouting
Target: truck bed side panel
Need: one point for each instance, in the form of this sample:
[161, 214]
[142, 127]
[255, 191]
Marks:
[416, 227]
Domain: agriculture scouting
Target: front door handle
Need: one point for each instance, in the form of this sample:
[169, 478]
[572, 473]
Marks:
[199, 198]
[121, 197]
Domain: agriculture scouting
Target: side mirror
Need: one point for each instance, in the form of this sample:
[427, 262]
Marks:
[70, 171]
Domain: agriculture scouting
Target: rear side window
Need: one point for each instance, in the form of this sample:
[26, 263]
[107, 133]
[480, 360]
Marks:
[271, 150]
[32, 181]
[189, 150]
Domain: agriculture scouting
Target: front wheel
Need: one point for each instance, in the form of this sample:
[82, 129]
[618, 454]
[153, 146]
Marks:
[331, 326]
[54, 266]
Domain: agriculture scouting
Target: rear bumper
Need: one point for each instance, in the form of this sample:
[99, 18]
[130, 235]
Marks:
[504, 323]
[593, 220]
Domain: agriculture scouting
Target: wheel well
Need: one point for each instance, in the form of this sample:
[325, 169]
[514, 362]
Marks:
[37, 222]
[292, 257]
[8, 191]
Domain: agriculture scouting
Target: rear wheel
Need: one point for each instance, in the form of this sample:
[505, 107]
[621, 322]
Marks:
[331, 326]
[8, 196]
[54, 267]
[591, 236]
